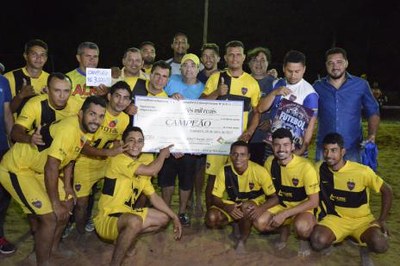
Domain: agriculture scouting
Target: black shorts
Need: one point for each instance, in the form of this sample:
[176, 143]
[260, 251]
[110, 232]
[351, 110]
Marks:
[184, 168]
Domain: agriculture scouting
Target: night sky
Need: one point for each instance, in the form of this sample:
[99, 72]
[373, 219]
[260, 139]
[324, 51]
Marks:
[368, 30]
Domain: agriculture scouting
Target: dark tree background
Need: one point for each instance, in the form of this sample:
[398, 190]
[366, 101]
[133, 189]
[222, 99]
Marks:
[367, 29]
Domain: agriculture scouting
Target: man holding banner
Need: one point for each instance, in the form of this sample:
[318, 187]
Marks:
[293, 104]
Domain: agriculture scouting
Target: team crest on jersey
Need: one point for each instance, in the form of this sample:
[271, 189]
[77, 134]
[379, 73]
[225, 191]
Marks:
[351, 185]
[292, 97]
[37, 204]
[251, 185]
[244, 91]
[78, 187]
[113, 123]
[295, 181]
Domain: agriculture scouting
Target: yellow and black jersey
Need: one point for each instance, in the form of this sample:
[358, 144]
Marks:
[254, 184]
[16, 79]
[79, 88]
[346, 192]
[38, 111]
[244, 88]
[122, 186]
[63, 139]
[294, 181]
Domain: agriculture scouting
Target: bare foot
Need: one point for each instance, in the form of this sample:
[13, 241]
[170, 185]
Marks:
[279, 245]
[304, 248]
[365, 258]
[240, 248]
[198, 211]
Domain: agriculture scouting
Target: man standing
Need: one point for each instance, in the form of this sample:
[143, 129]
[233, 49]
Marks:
[210, 59]
[342, 98]
[45, 109]
[31, 174]
[90, 165]
[231, 84]
[295, 89]
[6, 123]
[88, 57]
[247, 184]
[259, 59]
[180, 46]
[296, 184]
[345, 187]
[179, 87]
[31, 79]
[148, 51]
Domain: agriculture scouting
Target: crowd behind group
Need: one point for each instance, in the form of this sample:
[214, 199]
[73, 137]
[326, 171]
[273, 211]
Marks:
[62, 141]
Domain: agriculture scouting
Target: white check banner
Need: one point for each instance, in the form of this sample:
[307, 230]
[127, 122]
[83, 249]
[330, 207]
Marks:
[193, 126]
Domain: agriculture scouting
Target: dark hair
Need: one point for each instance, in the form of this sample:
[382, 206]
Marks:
[211, 46]
[282, 133]
[35, 42]
[147, 43]
[180, 34]
[336, 50]
[87, 45]
[95, 100]
[121, 85]
[256, 51]
[333, 138]
[132, 50]
[294, 56]
[58, 75]
[240, 143]
[161, 64]
[130, 129]
[234, 43]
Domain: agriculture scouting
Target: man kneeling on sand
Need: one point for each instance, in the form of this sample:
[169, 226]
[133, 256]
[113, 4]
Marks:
[247, 185]
[126, 178]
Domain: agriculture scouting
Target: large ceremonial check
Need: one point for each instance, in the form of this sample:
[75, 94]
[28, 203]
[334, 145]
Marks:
[193, 126]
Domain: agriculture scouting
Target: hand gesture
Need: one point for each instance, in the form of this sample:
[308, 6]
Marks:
[26, 90]
[165, 151]
[36, 138]
[101, 90]
[117, 149]
[222, 87]
[131, 109]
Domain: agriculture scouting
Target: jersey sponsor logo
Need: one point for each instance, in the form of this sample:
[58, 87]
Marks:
[251, 185]
[84, 90]
[37, 204]
[295, 181]
[109, 129]
[244, 91]
[113, 123]
[351, 185]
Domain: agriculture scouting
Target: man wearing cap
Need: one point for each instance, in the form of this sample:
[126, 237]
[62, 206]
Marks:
[179, 87]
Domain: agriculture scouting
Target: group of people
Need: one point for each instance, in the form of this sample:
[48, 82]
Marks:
[67, 139]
